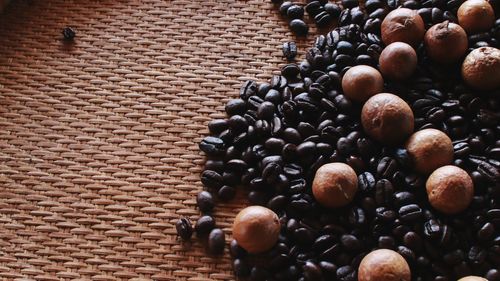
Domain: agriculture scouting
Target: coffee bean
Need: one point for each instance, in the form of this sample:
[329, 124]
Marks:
[184, 228]
[204, 226]
[248, 89]
[211, 179]
[205, 201]
[226, 193]
[289, 50]
[216, 241]
[410, 212]
[299, 27]
[212, 146]
[295, 12]
[240, 268]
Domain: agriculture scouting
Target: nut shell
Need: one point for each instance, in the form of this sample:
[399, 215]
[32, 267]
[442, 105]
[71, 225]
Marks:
[449, 189]
[429, 150]
[384, 265]
[481, 68]
[361, 82]
[398, 61]
[476, 16]
[403, 25]
[472, 278]
[335, 185]
[387, 118]
[256, 229]
[446, 42]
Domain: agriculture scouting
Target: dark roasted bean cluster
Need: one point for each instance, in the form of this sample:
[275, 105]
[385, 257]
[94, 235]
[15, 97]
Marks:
[279, 133]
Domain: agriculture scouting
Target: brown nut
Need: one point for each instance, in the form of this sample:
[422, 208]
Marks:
[334, 185]
[387, 118]
[403, 25]
[384, 265]
[429, 150]
[476, 16]
[446, 42]
[398, 61]
[361, 82]
[256, 229]
[481, 68]
[472, 278]
[450, 189]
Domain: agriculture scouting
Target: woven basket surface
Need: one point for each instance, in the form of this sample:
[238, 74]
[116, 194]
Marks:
[99, 138]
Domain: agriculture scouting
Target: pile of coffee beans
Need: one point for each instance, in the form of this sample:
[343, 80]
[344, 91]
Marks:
[279, 133]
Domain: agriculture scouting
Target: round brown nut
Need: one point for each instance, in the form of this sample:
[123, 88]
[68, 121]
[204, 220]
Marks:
[361, 82]
[450, 189]
[256, 229]
[387, 118]
[446, 42]
[472, 278]
[429, 150]
[334, 185]
[481, 68]
[384, 265]
[398, 61]
[403, 25]
[476, 16]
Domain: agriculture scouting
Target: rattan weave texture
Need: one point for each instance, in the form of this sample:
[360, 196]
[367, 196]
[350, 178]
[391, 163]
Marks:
[98, 139]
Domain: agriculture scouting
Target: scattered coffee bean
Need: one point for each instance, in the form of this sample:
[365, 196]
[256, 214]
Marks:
[216, 241]
[68, 33]
[184, 228]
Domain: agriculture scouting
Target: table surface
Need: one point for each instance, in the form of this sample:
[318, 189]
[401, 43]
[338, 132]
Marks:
[98, 138]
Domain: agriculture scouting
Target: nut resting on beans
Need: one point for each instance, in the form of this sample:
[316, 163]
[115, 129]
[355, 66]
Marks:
[446, 42]
[398, 61]
[476, 15]
[256, 229]
[449, 189]
[384, 265]
[387, 118]
[361, 82]
[481, 68]
[335, 185]
[403, 25]
[429, 150]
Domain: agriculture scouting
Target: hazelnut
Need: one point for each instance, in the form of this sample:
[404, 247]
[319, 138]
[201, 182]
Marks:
[387, 118]
[472, 278]
[398, 61]
[476, 16]
[446, 42]
[361, 82]
[429, 150]
[450, 189]
[384, 265]
[481, 68]
[335, 185]
[256, 229]
[403, 25]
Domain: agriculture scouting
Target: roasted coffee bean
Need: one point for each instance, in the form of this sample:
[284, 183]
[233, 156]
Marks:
[299, 27]
[346, 273]
[216, 241]
[184, 228]
[413, 241]
[211, 179]
[226, 193]
[295, 12]
[235, 107]
[312, 271]
[350, 242]
[289, 50]
[216, 126]
[204, 226]
[366, 182]
[205, 201]
[410, 212]
[240, 268]
[386, 167]
[383, 192]
[68, 33]
[284, 7]
[212, 146]
[248, 89]
[386, 242]
[332, 9]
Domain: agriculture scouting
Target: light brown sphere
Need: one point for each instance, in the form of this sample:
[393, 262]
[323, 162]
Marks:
[472, 278]
[334, 185]
[446, 42]
[384, 265]
[449, 189]
[361, 82]
[476, 16]
[481, 68]
[256, 229]
[429, 150]
[387, 118]
[397, 61]
[403, 25]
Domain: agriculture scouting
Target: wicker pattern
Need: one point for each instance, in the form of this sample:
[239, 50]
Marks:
[98, 139]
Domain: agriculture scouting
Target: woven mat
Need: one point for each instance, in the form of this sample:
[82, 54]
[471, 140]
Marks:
[98, 139]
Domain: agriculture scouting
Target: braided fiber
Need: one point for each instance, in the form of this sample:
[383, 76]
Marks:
[99, 138]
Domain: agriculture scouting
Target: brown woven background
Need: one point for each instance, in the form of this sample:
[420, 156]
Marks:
[98, 139]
